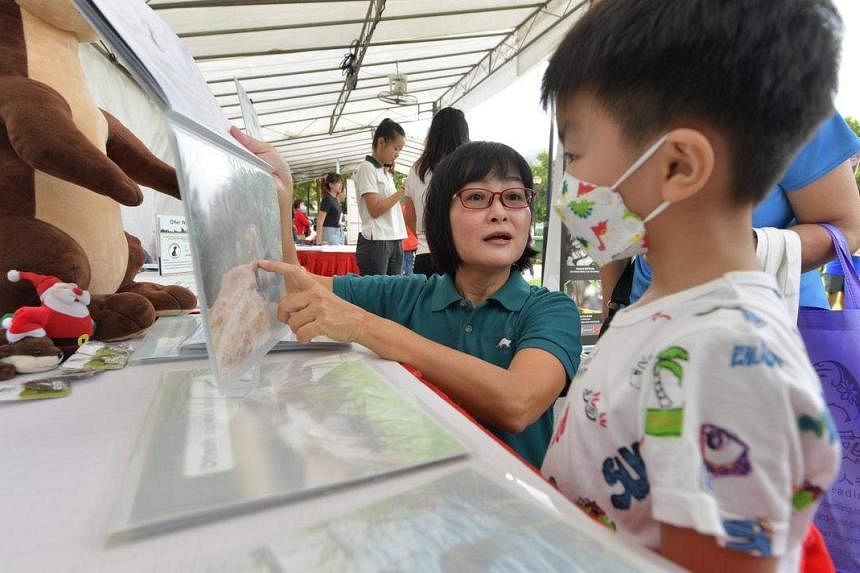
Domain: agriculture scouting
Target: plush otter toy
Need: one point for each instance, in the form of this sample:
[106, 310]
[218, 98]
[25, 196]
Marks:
[31, 354]
[65, 168]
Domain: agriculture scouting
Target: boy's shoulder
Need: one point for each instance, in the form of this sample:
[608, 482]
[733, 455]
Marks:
[738, 327]
[742, 301]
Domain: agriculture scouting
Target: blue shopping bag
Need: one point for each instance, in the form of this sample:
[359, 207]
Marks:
[832, 340]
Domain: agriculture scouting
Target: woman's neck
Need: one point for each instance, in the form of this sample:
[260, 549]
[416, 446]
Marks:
[477, 285]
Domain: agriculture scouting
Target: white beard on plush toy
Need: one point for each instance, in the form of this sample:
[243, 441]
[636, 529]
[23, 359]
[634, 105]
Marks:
[68, 299]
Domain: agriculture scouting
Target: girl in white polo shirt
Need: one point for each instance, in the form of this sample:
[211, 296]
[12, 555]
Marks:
[379, 250]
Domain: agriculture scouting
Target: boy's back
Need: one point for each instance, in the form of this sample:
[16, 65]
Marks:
[700, 410]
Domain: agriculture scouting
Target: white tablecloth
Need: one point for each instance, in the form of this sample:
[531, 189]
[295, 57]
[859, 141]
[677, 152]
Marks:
[64, 463]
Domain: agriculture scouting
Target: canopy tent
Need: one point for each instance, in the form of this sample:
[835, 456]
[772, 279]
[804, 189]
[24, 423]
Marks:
[315, 69]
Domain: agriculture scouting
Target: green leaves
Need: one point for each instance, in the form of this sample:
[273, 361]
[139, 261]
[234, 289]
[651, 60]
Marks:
[669, 359]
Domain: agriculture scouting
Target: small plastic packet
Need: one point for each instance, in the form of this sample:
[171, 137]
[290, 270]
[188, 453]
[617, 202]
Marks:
[97, 356]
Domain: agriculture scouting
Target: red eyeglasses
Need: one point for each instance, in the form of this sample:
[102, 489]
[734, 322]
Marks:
[513, 198]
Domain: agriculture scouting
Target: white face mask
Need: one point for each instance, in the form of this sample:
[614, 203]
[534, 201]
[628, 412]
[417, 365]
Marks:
[303, 208]
[598, 218]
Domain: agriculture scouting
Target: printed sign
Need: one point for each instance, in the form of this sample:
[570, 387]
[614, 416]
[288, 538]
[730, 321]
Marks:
[173, 243]
[580, 280]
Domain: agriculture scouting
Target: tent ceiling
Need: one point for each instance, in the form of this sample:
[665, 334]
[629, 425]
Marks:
[287, 55]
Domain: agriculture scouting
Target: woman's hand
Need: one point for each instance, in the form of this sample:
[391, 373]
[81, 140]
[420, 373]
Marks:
[311, 310]
[267, 152]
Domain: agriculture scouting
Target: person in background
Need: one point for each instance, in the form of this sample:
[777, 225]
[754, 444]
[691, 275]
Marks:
[500, 348]
[697, 426]
[329, 231]
[379, 250]
[448, 131]
[301, 223]
[410, 244]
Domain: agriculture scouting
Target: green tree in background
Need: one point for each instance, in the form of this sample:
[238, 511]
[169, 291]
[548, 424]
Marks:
[308, 191]
[540, 168]
[855, 126]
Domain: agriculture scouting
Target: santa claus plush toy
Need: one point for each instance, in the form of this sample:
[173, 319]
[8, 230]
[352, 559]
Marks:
[63, 316]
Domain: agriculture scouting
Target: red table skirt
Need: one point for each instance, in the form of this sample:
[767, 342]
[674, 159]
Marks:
[328, 264]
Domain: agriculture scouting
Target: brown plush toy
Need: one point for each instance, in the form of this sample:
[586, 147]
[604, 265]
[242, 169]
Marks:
[31, 354]
[65, 168]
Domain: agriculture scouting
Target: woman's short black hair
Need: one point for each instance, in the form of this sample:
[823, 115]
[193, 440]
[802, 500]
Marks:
[388, 129]
[297, 203]
[469, 163]
[330, 180]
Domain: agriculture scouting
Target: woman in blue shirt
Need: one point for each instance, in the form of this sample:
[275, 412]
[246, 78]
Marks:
[818, 187]
[500, 348]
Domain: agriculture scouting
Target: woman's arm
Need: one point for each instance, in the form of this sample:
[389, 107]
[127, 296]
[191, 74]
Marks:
[831, 199]
[283, 184]
[610, 273]
[377, 206]
[509, 399]
[320, 220]
[409, 216]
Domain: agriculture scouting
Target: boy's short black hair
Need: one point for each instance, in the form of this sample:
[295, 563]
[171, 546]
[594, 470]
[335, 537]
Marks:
[761, 72]
[469, 163]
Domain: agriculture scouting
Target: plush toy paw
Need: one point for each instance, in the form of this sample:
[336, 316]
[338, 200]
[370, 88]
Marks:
[168, 300]
[31, 354]
[121, 316]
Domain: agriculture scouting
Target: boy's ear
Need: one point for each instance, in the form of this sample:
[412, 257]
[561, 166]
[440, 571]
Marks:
[689, 160]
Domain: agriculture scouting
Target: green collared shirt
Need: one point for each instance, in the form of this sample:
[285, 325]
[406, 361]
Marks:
[516, 316]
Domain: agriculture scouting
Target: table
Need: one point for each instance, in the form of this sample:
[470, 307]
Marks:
[64, 463]
[328, 261]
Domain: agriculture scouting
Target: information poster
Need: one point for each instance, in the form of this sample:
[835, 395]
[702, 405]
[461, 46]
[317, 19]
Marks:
[580, 280]
[173, 246]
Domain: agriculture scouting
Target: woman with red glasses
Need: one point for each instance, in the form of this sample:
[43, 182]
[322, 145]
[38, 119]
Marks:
[501, 349]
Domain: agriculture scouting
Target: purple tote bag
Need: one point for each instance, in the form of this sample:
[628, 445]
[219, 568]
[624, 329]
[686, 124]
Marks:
[832, 340]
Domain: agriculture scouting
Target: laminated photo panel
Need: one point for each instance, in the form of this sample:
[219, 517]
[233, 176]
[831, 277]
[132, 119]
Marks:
[159, 62]
[465, 522]
[305, 426]
[233, 217]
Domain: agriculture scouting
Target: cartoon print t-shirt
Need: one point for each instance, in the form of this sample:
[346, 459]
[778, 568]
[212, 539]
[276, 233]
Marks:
[700, 410]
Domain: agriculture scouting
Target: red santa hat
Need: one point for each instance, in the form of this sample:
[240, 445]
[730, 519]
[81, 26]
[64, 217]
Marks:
[40, 282]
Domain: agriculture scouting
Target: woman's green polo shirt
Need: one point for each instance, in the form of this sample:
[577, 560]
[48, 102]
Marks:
[516, 316]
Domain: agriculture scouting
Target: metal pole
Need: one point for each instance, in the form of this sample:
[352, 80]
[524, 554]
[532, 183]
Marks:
[549, 182]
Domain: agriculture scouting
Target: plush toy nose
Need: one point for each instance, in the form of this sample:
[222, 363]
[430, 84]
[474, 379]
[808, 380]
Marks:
[78, 291]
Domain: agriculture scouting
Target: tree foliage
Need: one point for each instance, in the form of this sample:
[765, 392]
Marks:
[540, 171]
[855, 126]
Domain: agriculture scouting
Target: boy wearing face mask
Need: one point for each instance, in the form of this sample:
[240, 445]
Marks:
[696, 427]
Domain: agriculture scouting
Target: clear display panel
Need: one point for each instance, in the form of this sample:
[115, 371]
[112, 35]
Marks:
[302, 427]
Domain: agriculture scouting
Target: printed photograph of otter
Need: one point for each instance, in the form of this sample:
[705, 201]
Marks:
[233, 217]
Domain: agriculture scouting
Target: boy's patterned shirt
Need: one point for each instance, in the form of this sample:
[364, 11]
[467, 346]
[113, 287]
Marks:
[700, 410]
